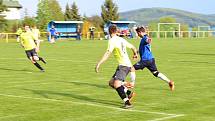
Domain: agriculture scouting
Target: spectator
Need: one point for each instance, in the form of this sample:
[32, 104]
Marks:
[78, 32]
[91, 29]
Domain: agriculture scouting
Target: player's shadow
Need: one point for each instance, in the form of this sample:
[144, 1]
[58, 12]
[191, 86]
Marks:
[87, 84]
[85, 99]
[22, 70]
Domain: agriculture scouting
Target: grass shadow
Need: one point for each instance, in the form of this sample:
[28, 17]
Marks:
[197, 62]
[87, 84]
[200, 54]
[22, 70]
[45, 94]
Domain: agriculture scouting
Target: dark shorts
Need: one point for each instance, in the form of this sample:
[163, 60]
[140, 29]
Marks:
[149, 64]
[121, 73]
[31, 53]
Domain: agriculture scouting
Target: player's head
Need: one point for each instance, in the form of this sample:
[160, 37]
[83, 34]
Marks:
[141, 31]
[27, 28]
[112, 29]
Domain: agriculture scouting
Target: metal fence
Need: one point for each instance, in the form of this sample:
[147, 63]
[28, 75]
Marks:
[154, 34]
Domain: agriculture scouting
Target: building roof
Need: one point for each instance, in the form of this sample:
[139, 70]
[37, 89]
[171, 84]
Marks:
[12, 3]
[68, 22]
[123, 22]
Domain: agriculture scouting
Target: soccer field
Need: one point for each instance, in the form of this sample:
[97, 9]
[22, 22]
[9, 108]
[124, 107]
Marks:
[70, 90]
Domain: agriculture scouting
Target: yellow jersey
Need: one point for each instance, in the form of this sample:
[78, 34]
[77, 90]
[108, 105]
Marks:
[118, 46]
[27, 40]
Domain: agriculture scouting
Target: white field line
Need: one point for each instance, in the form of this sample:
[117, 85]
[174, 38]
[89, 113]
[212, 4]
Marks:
[168, 116]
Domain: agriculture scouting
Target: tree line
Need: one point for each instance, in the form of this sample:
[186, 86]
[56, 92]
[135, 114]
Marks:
[49, 10]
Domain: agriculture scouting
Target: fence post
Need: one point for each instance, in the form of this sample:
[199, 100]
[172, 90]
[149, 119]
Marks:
[99, 35]
[6, 38]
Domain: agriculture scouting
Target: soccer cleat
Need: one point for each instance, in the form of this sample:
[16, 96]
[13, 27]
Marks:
[127, 105]
[171, 85]
[42, 70]
[131, 96]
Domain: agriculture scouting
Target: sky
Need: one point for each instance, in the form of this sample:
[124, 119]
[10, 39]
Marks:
[93, 7]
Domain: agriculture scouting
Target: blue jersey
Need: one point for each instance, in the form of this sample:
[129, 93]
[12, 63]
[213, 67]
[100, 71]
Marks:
[53, 31]
[145, 49]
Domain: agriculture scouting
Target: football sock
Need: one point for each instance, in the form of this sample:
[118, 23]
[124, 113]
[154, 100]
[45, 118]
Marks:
[121, 93]
[128, 92]
[133, 76]
[38, 66]
[41, 59]
[163, 77]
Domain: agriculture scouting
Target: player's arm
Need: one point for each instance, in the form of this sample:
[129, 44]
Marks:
[104, 58]
[133, 48]
[148, 40]
[37, 42]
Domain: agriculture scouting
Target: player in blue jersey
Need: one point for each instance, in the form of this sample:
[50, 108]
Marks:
[53, 34]
[147, 59]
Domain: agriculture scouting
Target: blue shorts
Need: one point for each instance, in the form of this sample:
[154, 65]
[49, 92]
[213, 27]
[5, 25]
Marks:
[149, 64]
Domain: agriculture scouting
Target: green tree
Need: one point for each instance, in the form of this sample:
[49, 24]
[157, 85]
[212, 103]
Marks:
[96, 21]
[68, 14]
[109, 11]
[47, 11]
[74, 13]
[55, 10]
[185, 27]
[3, 22]
[30, 21]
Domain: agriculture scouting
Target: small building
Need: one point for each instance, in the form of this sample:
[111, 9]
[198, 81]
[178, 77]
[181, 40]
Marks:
[13, 12]
[123, 26]
[65, 29]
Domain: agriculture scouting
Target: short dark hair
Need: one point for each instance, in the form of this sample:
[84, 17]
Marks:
[112, 29]
[140, 29]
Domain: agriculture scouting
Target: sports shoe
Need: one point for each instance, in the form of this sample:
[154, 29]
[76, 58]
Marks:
[127, 105]
[171, 85]
[131, 96]
[42, 70]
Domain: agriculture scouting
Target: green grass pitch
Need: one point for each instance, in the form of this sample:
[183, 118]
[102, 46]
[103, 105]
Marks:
[70, 90]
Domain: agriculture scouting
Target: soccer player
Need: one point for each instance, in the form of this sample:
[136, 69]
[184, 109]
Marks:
[118, 46]
[29, 43]
[36, 33]
[146, 57]
[53, 34]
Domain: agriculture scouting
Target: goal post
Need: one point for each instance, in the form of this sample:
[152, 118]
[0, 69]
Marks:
[203, 31]
[165, 31]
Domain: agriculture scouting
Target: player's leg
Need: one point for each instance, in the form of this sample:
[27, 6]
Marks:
[32, 55]
[152, 67]
[36, 56]
[118, 77]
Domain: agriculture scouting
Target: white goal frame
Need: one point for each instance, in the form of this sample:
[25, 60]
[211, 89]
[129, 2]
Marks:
[179, 27]
[208, 27]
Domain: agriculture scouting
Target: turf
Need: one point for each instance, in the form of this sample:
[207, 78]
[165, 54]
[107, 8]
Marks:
[70, 90]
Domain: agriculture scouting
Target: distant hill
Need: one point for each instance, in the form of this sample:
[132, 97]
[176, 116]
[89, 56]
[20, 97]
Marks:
[146, 15]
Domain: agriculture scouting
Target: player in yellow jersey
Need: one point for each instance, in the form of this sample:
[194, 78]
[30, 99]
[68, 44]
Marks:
[117, 46]
[29, 43]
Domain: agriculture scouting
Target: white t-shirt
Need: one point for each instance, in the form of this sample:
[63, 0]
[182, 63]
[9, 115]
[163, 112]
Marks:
[118, 46]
